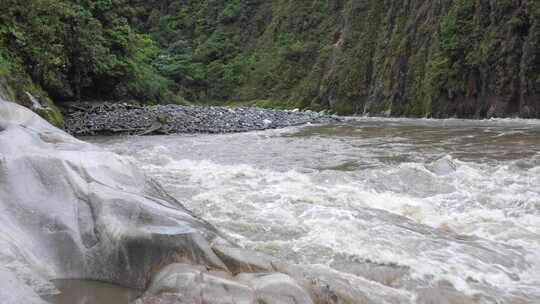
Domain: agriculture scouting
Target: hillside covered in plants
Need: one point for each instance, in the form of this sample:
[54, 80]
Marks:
[75, 50]
[466, 58]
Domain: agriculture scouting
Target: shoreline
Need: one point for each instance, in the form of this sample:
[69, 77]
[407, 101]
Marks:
[106, 119]
[110, 119]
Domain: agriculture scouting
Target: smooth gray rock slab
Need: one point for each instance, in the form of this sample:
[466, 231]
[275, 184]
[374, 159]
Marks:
[71, 210]
[239, 260]
[14, 291]
[276, 288]
[116, 118]
[182, 284]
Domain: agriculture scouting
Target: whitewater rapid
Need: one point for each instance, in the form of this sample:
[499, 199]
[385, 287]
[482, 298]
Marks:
[405, 204]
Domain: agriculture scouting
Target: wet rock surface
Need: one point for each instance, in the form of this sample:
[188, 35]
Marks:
[109, 119]
[70, 210]
[180, 283]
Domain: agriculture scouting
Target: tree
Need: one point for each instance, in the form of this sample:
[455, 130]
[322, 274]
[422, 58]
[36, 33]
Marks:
[81, 49]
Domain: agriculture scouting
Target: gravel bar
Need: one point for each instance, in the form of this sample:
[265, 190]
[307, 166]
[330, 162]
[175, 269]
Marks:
[83, 119]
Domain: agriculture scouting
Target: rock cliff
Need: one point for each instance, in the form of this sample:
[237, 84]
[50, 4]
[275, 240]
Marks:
[445, 58]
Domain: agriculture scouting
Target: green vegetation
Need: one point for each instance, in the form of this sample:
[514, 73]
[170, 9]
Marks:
[240, 50]
[79, 50]
[419, 58]
[51, 114]
[414, 58]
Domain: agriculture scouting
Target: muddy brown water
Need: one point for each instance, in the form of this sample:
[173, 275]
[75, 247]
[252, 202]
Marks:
[432, 209]
[91, 292]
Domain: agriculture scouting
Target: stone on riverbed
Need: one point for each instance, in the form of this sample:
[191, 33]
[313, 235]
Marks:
[240, 260]
[14, 291]
[106, 119]
[180, 283]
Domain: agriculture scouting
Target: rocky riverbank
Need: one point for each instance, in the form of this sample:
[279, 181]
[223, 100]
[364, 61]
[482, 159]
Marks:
[69, 209]
[110, 119]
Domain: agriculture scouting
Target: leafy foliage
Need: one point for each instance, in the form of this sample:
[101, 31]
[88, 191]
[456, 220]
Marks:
[219, 51]
[415, 58]
[81, 49]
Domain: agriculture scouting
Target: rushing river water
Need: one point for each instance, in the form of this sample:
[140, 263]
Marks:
[450, 205]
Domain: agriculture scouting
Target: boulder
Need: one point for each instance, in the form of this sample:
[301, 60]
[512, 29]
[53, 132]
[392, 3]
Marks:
[239, 260]
[442, 166]
[276, 288]
[186, 284]
[69, 210]
[14, 291]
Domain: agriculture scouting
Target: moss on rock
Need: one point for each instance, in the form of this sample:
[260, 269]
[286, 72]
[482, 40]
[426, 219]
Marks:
[16, 86]
[51, 114]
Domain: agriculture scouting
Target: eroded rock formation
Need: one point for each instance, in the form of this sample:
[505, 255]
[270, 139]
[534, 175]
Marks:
[71, 210]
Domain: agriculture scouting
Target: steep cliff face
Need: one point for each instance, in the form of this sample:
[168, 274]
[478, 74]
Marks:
[441, 58]
[466, 58]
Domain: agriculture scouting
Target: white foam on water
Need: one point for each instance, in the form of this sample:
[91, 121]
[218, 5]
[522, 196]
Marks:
[292, 215]
[405, 201]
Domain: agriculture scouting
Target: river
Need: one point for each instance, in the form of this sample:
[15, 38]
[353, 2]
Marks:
[414, 205]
